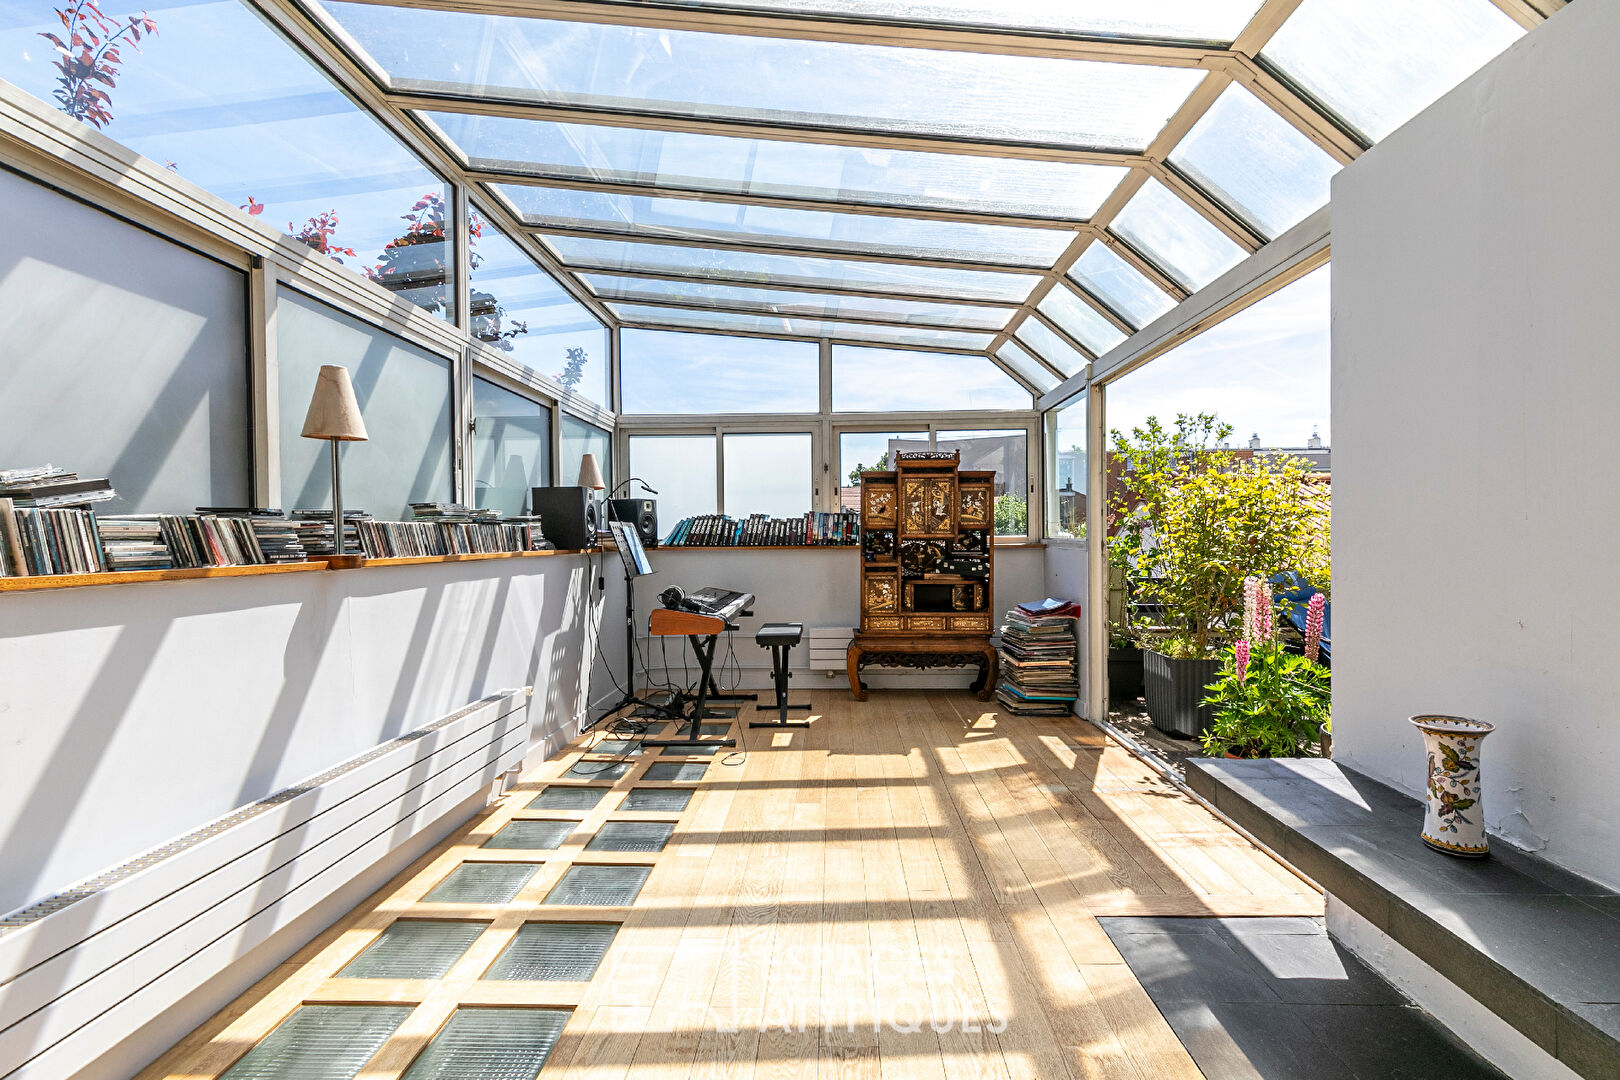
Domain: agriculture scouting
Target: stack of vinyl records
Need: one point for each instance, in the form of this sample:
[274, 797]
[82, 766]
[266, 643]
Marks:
[41, 487]
[135, 542]
[1040, 673]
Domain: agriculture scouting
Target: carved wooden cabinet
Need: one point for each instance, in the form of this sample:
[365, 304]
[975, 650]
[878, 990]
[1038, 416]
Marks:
[927, 568]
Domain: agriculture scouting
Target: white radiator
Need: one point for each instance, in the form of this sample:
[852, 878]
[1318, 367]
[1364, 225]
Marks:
[829, 647]
[86, 968]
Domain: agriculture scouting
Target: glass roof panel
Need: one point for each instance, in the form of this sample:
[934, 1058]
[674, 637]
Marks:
[794, 303]
[1164, 20]
[1378, 63]
[1108, 277]
[769, 324]
[692, 219]
[1178, 239]
[796, 270]
[1255, 162]
[1039, 339]
[728, 165]
[825, 84]
[1017, 358]
[1080, 320]
[894, 380]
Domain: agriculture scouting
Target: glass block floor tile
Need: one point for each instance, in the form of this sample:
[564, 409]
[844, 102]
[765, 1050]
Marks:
[554, 952]
[414, 949]
[598, 770]
[632, 747]
[599, 886]
[695, 751]
[631, 836]
[567, 798]
[482, 883]
[320, 1042]
[532, 835]
[676, 770]
[657, 799]
[490, 1044]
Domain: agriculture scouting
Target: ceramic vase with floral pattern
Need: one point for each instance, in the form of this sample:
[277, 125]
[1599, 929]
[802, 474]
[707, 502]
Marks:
[1455, 822]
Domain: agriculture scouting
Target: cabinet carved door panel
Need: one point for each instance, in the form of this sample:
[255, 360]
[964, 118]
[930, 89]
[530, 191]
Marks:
[925, 506]
[882, 594]
[879, 506]
[975, 509]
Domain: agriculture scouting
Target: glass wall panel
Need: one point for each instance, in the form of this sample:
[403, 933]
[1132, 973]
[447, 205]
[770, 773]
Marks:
[519, 309]
[665, 372]
[902, 380]
[1080, 320]
[823, 230]
[859, 451]
[803, 304]
[1016, 357]
[1255, 163]
[404, 395]
[213, 93]
[726, 165]
[768, 474]
[813, 83]
[683, 469]
[775, 324]
[575, 439]
[1039, 339]
[1178, 239]
[1124, 288]
[1066, 468]
[1007, 452]
[511, 447]
[1378, 63]
[801, 271]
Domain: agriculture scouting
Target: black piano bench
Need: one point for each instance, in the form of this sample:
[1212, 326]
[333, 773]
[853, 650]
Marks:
[780, 639]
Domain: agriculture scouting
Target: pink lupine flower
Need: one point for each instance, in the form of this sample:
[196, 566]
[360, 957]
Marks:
[1240, 656]
[1263, 621]
[1251, 608]
[1313, 627]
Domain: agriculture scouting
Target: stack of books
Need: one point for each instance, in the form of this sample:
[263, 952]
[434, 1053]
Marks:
[134, 542]
[1040, 659]
[41, 487]
[760, 530]
[833, 530]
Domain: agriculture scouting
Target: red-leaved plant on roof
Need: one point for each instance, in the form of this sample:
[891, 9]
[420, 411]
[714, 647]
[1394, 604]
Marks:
[317, 233]
[90, 54]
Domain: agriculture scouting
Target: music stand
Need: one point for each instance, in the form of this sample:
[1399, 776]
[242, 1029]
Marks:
[636, 564]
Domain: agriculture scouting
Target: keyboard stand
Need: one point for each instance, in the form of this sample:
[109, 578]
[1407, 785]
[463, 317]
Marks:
[703, 645]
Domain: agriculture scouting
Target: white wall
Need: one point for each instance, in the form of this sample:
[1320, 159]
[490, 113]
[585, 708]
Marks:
[1476, 382]
[1066, 578]
[131, 714]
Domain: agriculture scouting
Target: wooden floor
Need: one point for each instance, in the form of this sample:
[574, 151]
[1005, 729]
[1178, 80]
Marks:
[909, 888]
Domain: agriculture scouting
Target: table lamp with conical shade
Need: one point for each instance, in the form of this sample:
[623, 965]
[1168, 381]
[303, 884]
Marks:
[334, 415]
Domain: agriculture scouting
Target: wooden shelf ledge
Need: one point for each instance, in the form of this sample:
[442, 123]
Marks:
[132, 577]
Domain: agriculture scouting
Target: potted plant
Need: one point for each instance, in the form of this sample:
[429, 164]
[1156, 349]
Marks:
[1124, 666]
[1192, 522]
[1268, 702]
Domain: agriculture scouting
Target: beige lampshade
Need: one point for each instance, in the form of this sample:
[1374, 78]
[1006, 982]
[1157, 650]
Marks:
[590, 473]
[333, 411]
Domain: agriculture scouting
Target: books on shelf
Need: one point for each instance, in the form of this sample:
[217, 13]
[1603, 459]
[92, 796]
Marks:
[1040, 659]
[760, 530]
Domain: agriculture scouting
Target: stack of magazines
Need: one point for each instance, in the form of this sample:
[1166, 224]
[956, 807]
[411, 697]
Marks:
[1040, 671]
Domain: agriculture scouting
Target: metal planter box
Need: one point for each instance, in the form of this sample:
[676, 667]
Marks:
[1173, 690]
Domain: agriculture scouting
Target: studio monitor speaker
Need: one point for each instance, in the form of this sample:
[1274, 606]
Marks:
[567, 515]
[639, 514]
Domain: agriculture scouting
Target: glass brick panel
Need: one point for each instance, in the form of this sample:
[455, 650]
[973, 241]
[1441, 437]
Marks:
[320, 1042]
[567, 798]
[663, 799]
[676, 770]
[414, 949]
[620, 747]
[599, 886]
[482, 883]
[597, 770]
[631, 836]
[554, 952]
[531, 835]
[490, 1044]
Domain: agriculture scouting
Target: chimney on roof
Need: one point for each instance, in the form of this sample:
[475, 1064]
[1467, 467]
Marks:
[1254, 441]
[1316, 439]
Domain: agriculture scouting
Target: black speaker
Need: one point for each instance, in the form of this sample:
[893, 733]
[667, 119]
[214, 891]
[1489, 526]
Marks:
[567, 515]
[639, 514]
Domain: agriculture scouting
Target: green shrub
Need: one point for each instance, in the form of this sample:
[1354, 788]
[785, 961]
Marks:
[1273, 708]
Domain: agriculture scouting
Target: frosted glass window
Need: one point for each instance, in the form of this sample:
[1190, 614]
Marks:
[728, 165]
[811, 83]
[792, 303]
[905, 380]
[1178, 239]
[1080, 320]
[1007, 452]
[1019, 359]
[511, 447]
[668, 373]
[862, 451]
[1066, 468]
[822, 230]
[683, 469]
[1124, 288]
[1050, 346]
[88, 304]
[797, 327]
[519, 309]
[1378, 63]
[802, 271]
[767, 474]
[1255, 163]
[404, 395]
[576, 439]
[226, 102]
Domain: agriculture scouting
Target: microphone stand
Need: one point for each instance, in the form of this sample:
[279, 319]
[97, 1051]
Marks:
[629, 697]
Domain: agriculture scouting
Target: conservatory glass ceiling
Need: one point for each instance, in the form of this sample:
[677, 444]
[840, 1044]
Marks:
[1032, 180]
